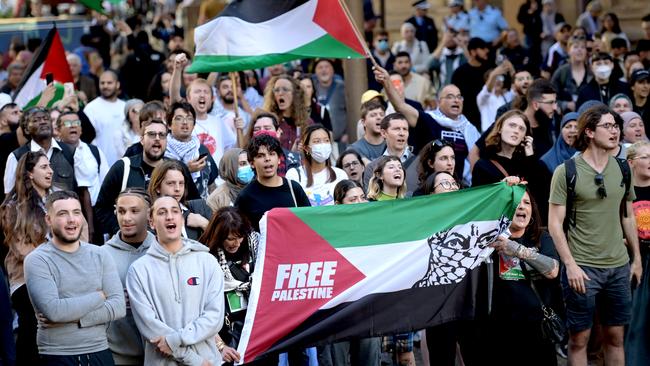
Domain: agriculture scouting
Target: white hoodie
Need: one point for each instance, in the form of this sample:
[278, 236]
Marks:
[179, 296]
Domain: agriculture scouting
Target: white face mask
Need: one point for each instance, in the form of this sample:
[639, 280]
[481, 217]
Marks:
[321, 152]
[603, 72]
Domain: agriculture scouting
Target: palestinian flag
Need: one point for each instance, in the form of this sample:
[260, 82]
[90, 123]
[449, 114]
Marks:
[49, 58]
[348, 271]
[251, 34]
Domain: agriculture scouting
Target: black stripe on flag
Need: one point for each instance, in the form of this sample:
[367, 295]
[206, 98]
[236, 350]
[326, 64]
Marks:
[258, 11]
[38, 59]
[388, 313]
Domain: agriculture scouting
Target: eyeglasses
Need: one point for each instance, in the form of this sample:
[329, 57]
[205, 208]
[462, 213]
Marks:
[609, 126]
[453, 97]
[447, 185]
[600, 182]
[439, 144]
[642, 157]
[523, 78]
[73, 123]
[181, 119]
[282, 89]
[154, 135]
[351, 164]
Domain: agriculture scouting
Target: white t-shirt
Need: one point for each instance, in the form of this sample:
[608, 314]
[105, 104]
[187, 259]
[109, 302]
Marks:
[215, 135]
[107, 118]
[320, 193]
[86, 171]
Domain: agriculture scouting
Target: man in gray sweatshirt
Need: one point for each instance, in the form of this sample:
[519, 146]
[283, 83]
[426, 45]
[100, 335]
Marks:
[75, 289]
[130, 243]
[176, 294]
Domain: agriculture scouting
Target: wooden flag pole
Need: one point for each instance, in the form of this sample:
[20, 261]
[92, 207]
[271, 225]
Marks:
[357, 32]
[235, 88]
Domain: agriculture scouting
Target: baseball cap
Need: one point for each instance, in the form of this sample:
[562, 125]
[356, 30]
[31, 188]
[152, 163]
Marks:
[421, 4]
[370, 94]
[639, 75]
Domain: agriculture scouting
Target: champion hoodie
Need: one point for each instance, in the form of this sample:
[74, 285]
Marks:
[178, 296]
[124, 339]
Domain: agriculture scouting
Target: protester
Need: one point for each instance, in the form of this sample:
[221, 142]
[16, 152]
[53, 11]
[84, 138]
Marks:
[267, 123]
[105, 114]
[24, 228]
[595, 258]
[388, 179]
[447, 58]
[438, 156]
[125, 247]
[494, 93]
[317, 113]
[236, 173]
[75, 289]
[509, 151]
[284, 97]
[316, 175]
[416, 86]
[439, 182]
[383, 56]
[352, 164]
[620, 103]
[558, 52]
[268, 190]
[36, 124]
[636, 336]
[468, 77]
[633, 128]
[640, 85]
[523, 284]
[589, 19]
[330, 92]
[603, 86]
[611, 29]
[234, 244]
[84, 84]
[167, 179]
[185, 147]
[349, 191]
[571, 77]
[372, 144]
[178, 322]
[521, 81]
[130, 128]
[416, 48]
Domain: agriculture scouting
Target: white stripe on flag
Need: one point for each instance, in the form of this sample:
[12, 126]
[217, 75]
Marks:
[234, 37]
[33, 87]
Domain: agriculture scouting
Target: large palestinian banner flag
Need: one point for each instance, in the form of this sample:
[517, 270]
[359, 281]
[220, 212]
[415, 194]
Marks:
[251, 34]
[49, 58]
[337, 272]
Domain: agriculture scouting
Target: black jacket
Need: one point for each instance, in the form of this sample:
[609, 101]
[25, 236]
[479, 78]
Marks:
[426, 32]
[591, 91]
[105, 220]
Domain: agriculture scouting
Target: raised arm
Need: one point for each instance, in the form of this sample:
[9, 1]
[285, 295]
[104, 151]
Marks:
[180, 61]
[382, 77]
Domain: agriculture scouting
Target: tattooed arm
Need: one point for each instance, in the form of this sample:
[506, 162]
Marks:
[545, 265]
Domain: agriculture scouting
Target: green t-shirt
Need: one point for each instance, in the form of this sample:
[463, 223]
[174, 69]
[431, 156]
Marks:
[597, 238]
[385, 197]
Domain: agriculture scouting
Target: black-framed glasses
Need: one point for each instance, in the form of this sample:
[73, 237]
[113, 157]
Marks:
[446, 184]
[153, 135]
[600, 182]
[609, 126]
[351, 164]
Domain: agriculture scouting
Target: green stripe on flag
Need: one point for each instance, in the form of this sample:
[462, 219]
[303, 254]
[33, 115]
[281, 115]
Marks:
[397, 221]
[58, 95]
[325, 46]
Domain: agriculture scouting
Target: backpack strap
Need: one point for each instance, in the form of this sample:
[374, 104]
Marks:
[95, 151]
[127, 171]
[571, 176]
[627, 180]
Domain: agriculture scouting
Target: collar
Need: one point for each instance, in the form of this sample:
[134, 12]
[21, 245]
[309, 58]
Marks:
[405, 155]
[34, 147]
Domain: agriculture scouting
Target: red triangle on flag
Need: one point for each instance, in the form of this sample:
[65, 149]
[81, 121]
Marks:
[332, 18]
[292, 248]
[56, 62]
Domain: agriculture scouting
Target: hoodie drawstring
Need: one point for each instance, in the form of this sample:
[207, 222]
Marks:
[175, 279]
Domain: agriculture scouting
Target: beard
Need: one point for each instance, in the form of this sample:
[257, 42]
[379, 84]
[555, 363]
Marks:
[228, 98]
[154, 157]
[65, 238]
[542, 118]
[107, 93]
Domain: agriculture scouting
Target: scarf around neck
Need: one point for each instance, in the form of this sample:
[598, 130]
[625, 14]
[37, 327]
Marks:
[183, 151]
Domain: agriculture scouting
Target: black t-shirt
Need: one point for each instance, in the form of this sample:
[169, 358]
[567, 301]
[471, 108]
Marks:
[515, 299]
[469, 80]
[255, 199]
[148, 170]
[456, 139]
[486, 172]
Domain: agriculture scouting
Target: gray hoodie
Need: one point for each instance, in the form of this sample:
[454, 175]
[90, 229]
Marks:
[178, 296]
[124, 339]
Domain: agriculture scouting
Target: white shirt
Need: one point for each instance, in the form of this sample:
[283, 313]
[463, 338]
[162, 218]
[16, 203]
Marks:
[86, 171]
[488, 104]
[12, 163]
[215, 135]
[107, 118]
[228, 116]
[320, 193]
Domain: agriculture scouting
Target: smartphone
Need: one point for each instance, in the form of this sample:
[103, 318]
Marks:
[68, 89]
[203, 155]
[49, 78]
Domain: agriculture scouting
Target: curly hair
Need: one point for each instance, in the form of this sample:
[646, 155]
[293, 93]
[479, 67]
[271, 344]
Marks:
[298, 111]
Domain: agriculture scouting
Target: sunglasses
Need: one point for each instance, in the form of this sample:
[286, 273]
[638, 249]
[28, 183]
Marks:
[600, 182]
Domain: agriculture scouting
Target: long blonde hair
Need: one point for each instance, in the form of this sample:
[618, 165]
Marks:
[376, 184]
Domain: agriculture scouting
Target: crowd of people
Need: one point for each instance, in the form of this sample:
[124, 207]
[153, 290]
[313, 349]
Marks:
[168, 174]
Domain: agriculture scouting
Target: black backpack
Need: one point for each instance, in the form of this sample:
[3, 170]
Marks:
[572, 177]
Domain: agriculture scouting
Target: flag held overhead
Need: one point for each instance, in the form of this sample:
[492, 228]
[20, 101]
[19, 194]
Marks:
[252, 34]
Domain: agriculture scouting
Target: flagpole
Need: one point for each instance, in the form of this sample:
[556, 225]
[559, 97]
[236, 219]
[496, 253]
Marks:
[357, 32]
[235, 88]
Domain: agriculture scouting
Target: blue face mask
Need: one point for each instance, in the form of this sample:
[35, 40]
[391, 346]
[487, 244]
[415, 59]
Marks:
[382, 45]
[245, 174]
